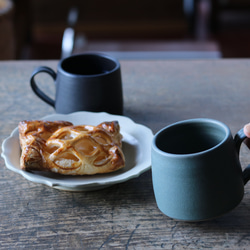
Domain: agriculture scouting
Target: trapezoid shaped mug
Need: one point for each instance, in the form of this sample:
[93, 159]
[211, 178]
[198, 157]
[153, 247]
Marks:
[196, 170]
[84, 82]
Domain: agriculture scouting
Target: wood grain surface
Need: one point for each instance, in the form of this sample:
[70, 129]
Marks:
[124, 216]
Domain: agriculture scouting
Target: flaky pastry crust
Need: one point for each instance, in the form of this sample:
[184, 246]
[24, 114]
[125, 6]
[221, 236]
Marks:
[62, 148]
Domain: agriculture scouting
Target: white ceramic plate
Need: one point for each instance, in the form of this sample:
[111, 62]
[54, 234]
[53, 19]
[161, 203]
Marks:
[137, 140]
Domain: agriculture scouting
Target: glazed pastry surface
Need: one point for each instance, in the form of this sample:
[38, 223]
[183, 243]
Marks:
[61, 147]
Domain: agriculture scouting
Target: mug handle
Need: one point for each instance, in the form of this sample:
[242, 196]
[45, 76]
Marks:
[238, 139]
[36, 89]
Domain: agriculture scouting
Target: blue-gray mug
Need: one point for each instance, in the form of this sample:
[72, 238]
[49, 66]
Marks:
[84, 82]
[196, 170]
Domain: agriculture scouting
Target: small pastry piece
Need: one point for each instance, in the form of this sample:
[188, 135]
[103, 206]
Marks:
[79, 150]
[33, 136]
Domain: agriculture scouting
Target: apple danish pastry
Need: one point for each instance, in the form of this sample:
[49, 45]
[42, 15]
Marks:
[61, 147]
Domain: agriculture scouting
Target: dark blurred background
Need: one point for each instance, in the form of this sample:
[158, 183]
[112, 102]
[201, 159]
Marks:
[35, 29]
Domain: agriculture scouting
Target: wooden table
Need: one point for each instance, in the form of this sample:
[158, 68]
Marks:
[124, 216]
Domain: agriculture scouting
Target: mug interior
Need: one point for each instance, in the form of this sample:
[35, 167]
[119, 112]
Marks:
[89, 64]
[191, 137]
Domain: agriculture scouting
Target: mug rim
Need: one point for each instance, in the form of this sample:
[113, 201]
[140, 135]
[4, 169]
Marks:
[97, 54]
[191, 121]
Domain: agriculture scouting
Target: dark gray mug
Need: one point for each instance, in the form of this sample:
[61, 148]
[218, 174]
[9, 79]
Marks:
[85, 82]
[196, 169]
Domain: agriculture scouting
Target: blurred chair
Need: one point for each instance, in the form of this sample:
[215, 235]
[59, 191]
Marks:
[118, 26]
[73, 43]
